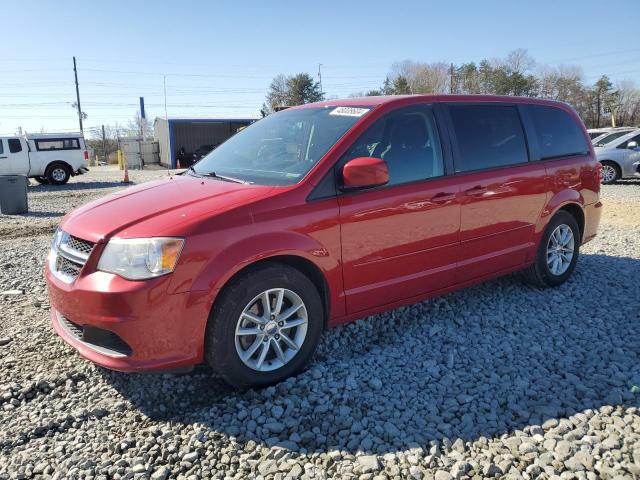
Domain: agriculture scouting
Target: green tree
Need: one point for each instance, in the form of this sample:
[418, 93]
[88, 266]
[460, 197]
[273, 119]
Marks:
[289, 91]
[401, 86]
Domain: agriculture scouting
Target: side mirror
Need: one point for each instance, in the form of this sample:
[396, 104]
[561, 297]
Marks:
[632, 145]
[365, 172]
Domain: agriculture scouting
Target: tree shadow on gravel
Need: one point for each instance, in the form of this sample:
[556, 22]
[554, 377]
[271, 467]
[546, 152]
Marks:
[479, 362]
[74, 186]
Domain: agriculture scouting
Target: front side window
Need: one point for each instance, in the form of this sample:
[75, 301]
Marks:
[1, 147]
[407, 140]
[14, 145]
[487, 136]
[632, 139]
[558, 134]
[281, 148]
[57, 144]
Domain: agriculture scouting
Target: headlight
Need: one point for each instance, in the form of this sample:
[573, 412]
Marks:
[57, 238]
[141, 258]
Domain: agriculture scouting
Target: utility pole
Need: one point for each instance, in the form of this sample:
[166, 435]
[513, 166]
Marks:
[104, 145]
[75, 74]
[320, 78]
[451, 77]
[166, 119]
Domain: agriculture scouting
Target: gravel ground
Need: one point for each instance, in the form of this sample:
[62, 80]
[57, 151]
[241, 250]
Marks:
[499, 380]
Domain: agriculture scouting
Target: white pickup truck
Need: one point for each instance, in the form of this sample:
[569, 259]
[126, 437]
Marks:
[48, 158]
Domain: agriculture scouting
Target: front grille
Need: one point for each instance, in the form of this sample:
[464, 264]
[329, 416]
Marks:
[67, 267]
[79, 245]
[69, 256]
[98, 339]
[73, 329]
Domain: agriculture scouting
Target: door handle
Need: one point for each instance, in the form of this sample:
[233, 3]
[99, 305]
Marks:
[3, 157]
[476, 191]
[443, 197]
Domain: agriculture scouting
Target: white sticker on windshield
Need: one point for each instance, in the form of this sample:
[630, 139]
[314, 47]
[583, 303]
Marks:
[349, 111]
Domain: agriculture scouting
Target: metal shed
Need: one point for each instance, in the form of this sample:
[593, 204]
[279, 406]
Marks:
[173, 133]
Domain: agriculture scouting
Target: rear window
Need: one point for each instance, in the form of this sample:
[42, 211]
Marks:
[14, 145]
[487, 136]
[558, 134]
[57, 144]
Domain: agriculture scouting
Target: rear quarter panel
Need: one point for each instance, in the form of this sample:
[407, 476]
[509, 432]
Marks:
[576, 181]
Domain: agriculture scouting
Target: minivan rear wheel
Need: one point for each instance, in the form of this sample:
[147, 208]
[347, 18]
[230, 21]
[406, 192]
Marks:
[265, 326]
[557, 253]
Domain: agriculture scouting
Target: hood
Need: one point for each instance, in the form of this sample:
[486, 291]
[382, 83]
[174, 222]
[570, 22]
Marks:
[169, 202]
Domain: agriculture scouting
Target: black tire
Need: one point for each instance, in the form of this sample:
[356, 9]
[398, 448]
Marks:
[539, 274]
[220, 344]
[41, 180]
[614, 170]
[58, 174]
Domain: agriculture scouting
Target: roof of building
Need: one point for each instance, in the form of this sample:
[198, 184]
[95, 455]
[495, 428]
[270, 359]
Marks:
[219, 118]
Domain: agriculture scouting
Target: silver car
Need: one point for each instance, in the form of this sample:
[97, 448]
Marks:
[617, 157]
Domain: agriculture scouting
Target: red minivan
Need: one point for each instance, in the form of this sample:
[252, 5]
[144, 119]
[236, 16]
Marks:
[318, 215]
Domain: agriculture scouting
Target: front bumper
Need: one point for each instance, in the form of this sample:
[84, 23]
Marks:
[161, 330]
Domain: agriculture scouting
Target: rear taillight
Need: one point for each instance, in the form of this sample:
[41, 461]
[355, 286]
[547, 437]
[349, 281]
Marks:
[86, 155]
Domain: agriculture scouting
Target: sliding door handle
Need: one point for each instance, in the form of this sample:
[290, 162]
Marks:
[443, 197]
[476, 191]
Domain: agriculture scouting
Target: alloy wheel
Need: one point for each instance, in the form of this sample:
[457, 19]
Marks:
[560, 248]
[271, 329]
[608, 173]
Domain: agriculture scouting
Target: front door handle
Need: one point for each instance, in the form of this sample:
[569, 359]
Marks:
[476, 191]
[443, 197]
[3, 157]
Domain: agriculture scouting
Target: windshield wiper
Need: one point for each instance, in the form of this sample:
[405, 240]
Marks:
[191, 169]
[224, 177]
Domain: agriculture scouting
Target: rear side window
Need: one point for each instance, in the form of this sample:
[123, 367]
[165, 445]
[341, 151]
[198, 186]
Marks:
[14, 145]
[58, 144]
[558, 134]
[487, 136]
[1, 147]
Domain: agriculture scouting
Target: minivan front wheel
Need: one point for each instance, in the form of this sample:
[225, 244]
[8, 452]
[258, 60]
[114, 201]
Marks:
[265, 326]
[557, 253]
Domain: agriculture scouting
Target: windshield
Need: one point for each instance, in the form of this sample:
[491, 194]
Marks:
[281, 148]
[610, 138]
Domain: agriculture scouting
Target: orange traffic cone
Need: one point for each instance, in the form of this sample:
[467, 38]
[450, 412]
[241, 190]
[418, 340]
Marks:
[126, 172]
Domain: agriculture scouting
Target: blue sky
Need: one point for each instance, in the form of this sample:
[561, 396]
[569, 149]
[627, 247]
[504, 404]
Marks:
[219, 57]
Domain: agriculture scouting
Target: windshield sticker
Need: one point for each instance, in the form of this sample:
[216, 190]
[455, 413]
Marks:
[349, 111]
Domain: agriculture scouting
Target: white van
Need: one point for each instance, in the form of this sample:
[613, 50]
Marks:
[48, 158]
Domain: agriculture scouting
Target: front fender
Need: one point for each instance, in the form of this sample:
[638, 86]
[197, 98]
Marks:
[230, 260]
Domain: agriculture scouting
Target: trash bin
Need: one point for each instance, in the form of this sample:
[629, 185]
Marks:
[13, 194]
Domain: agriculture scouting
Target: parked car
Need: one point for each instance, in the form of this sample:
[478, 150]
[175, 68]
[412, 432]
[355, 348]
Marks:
[611, 136]
[201, 151]
[598, 132]
[319, 215]
[51, 158]
[617, 157]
